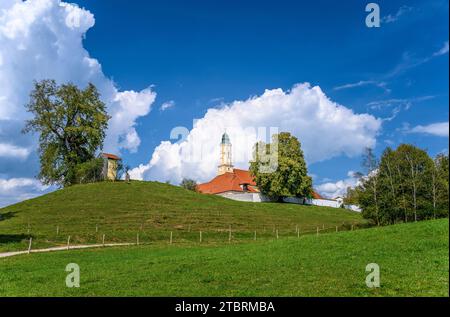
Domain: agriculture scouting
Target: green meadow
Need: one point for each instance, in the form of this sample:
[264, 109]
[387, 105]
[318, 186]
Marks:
[152, 210]
[413, 261]
[297, 251]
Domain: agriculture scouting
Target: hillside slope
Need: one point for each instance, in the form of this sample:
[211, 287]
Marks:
[121, 211]
[413, 261]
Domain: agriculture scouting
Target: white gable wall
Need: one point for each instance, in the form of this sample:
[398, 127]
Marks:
[258, 197]
[324, 202]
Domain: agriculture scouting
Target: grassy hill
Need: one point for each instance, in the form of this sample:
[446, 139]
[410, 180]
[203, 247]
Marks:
[413, 260]
[121, 211]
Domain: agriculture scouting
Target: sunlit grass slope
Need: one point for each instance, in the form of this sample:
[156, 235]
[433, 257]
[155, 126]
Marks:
[121, 211]
[413, 261]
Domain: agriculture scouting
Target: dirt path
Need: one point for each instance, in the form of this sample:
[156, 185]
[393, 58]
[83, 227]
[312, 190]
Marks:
[72, 247]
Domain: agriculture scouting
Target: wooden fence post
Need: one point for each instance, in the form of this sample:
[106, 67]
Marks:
[103, 240]
[255, 236]
[229, 235]
[137, 238]
[317, 231]
[336, 228]
[277, 233]
[171, 237]
[96, 228]
[57, 230]
[200, 237]
[29, 245]
[68, 242]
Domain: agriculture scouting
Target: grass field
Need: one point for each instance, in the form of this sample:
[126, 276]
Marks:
[413, 260]
[120, 211]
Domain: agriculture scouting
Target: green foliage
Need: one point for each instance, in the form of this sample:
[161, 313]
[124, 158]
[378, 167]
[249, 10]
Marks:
[279, 168]
[90, 171]
[441, 164]
[189, 184]
[71, 124]
[351, 197]
[413, 259]
[405, 185]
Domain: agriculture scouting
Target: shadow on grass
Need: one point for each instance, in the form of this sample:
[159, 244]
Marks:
[13, 238]
[7, 215]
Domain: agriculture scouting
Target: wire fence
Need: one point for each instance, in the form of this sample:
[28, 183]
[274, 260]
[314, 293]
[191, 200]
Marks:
[187, 234]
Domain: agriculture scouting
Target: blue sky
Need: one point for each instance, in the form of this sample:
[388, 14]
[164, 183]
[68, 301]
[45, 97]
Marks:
[198, 51]
[199, 55]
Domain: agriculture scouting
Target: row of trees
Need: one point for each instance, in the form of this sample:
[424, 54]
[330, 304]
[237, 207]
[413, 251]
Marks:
[404, 185]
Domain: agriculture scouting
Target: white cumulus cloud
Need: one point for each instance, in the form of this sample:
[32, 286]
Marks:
[339, 188]
[325, 129]
[9, 150]
[128, 106]
[437, 129]
[42, 39]
[17, 189]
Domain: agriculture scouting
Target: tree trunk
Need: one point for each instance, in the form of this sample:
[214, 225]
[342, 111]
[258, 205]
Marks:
[434, 193]
[413, 178]
[375, 198]
[402, 192]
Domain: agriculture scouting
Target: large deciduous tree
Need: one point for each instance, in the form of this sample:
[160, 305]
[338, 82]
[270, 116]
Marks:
[279, 168]
[416, 168]
[71, 123]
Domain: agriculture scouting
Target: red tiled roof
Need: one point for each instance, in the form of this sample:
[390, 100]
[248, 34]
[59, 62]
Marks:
[111, 156]
[232, 181]
[316, 195]
[244, 176]
[229, 182]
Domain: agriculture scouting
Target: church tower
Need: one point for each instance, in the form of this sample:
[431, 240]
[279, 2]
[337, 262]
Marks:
[225, 156]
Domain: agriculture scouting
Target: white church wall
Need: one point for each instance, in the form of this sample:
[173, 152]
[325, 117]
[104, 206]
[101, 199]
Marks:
[324, 203]
[238, 196]
[258, 197]
[245, 196]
